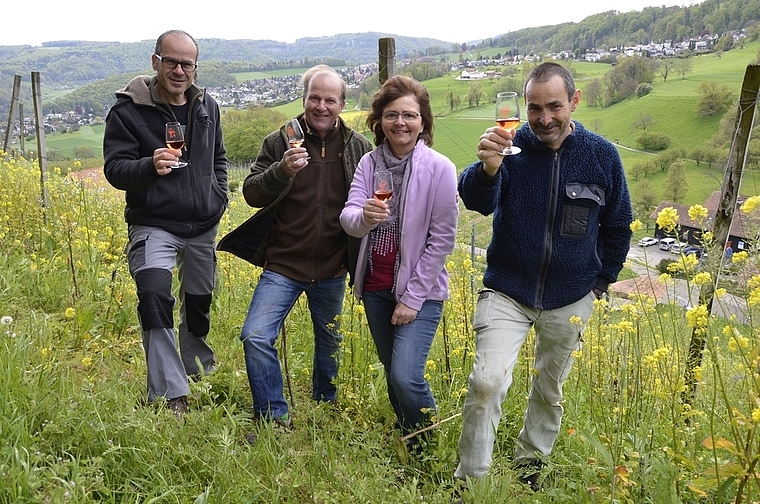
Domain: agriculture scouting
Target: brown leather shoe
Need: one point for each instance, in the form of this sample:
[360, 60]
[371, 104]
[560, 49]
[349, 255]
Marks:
[178, 406]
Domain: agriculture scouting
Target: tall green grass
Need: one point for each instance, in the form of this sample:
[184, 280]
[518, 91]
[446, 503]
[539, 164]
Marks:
[75, 427]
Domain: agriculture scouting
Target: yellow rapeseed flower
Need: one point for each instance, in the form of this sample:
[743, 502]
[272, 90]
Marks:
[751, 204]
[697, 317]
[702, 278]
[667, 219]
[636, 225]
[70, 313]
[754, 297]
[756, 415]
[697, 213]
[86, 361]
[740, 257]
[576, 320]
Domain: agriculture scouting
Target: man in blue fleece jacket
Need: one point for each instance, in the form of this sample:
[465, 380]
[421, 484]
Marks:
[561, 233]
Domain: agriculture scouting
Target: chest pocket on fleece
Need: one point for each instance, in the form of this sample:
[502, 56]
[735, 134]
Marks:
[583, 203]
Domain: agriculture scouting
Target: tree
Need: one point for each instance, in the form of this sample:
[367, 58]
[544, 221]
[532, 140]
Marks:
[595, 93]
[666, 66]
[642, 169]
[713, 99]
[453, 100]
[647, 200]
[475, 93]
[643, 121]
[668, 157]
[676, 184]
[684, 66]
[244, 130]
[623, 79]
[699, 154]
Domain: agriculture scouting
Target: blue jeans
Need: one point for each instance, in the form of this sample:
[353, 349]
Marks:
[272, 300]
[404, 350]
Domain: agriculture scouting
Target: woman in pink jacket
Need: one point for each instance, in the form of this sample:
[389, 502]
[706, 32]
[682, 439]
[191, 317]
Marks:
[401, 275]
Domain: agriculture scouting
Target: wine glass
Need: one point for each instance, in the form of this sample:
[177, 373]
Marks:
[175, 139]
[295, 133]
[383, 185]
[508, 117]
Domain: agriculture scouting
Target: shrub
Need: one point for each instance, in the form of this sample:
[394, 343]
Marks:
[653, 141]
[643, 89]
[662, 267]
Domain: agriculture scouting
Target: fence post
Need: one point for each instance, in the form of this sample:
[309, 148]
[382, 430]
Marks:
[472, 257]
[40, 127]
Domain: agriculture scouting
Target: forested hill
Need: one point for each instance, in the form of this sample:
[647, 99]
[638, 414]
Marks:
[72, 63]
[652, 24]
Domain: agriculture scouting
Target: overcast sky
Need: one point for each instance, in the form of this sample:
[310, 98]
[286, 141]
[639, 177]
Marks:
[285, 21]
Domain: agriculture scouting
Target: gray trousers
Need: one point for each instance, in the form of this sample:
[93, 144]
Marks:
[153, 254]
[502, 325]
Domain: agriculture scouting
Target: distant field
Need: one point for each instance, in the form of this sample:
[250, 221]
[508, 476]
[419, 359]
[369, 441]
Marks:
[89, 136]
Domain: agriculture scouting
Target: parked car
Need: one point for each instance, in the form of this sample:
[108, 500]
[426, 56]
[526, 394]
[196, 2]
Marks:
[691, 249]
[648, 241]
[665, 243]
[678, 247]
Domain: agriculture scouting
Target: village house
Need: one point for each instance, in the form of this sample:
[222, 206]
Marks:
[742, 234]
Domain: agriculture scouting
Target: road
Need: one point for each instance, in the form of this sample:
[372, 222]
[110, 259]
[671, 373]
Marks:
[644, 261]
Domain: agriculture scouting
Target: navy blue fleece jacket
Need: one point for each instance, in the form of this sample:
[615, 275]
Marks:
[561, 219]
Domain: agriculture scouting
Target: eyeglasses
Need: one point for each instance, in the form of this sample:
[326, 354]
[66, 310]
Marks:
[406, 116]
[187, 66]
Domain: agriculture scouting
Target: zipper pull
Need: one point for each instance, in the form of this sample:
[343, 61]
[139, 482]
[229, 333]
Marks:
[323, 148]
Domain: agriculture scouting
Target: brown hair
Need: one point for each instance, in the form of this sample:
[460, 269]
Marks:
[393, 89]
[545, 71]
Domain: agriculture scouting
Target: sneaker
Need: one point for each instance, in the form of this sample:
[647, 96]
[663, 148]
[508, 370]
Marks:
[529, 471]
[284, 421]
[178, 406]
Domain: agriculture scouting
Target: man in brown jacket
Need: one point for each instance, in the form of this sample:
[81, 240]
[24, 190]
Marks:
[298, 240]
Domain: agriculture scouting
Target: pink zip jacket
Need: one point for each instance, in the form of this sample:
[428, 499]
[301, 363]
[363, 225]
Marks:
[428, 224]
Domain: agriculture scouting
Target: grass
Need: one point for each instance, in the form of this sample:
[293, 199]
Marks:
[75, 428]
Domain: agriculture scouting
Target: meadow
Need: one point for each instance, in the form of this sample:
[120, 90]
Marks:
[75, 428]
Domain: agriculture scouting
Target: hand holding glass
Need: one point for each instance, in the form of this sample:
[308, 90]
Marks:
[175, 139]
[383, 185]
[295, 134]
[508, 117]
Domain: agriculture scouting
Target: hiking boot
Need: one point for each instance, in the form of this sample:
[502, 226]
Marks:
[529, 471]
[178, 406]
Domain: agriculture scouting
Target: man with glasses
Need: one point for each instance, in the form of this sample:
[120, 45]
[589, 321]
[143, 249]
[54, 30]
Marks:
[172, 214]
[298, 240]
